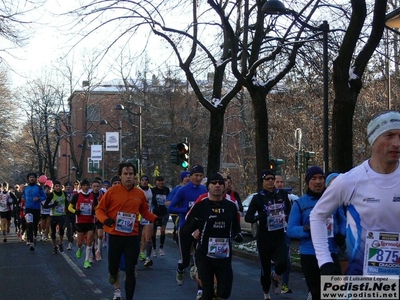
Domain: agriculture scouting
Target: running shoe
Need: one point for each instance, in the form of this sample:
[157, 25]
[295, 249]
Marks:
[55, 250]
[155, 253]
[285, 289]
[86, 264]
[199, 295]
[267, 296]
[112, 278]
[31, 246]
[117, 294]
[91, 259]
[69, 246]
[193, 272]
[275, 283]
[309, 296]
[61, 248]
[5, 240]
[161, 251]
[79, 252]
[148, 262]
[179, 277]
[142, 256]
[98, 255]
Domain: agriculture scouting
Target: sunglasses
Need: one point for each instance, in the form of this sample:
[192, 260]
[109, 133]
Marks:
[217, 181]
[269, 178]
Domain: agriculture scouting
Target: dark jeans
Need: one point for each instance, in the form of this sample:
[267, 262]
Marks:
[185, 246]
[54, 221]
[32, 228]
[129, 246]
[310, 267]
[271, 246]
[222, 269]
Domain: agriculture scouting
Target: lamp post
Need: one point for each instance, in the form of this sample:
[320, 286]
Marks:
[67, 157]
[121, 107]
[392, 21]
[276, 7]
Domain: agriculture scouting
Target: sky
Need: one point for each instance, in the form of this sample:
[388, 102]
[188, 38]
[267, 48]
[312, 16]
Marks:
[50, 40]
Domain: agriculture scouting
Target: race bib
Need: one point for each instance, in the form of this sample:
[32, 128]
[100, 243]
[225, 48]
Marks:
[329, 226]
[60, 208]
[382, 253]
[218, 247]
[86, 209]
[275, 222]
[125, 222]
[3, 204]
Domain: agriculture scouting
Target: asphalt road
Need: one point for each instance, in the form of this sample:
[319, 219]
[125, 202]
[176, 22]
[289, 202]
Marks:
[43, 275]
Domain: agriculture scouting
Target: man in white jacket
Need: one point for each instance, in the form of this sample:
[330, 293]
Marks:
[370, 194]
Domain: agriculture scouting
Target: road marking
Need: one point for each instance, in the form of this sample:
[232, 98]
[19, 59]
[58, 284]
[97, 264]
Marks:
[73, 265]
[81, 274]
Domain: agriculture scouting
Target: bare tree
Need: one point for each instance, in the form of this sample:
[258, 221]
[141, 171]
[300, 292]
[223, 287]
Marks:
[15, 22]
[43, 120]
[348, 70]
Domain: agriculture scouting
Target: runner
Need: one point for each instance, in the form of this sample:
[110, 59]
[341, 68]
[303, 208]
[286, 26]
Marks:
[118, 210]
[83, 206]
[33, 194]
[57, 203]
[6, 202]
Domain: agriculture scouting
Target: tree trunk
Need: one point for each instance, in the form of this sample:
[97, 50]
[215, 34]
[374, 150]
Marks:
[215, 141]
[258, 95]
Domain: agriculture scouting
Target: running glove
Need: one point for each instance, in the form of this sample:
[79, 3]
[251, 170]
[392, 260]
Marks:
[329, 269]
[340, 239]
[108, 222]
[77, 212]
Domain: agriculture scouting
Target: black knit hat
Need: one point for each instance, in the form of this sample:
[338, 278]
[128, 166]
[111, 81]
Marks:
[196, 169]
[266, 172]
[311, 171]
[31, 174]
[215, 177]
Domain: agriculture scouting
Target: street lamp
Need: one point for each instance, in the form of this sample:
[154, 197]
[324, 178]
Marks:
[276, 7]
[121, 107]
[67, 157]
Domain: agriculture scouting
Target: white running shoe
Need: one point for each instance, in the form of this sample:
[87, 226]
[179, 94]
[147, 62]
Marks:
[117, 294]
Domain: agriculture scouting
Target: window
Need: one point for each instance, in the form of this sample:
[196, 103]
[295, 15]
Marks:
[93, 112]
[93, 166]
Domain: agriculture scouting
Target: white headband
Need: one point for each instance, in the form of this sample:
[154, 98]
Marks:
[382, 123]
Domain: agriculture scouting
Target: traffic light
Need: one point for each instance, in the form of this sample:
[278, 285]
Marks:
[183, 154]
[277, 166]
[271, 164]
[174, 154]
[307, 156]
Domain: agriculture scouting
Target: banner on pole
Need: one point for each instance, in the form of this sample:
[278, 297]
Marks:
[112, 141]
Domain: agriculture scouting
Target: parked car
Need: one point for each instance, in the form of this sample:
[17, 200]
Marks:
[248, 227]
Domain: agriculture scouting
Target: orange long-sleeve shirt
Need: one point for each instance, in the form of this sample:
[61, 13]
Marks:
[119, 199]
